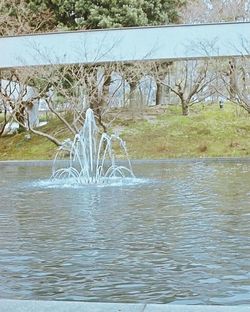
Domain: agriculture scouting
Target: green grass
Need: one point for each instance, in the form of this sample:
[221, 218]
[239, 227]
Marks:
[18, 147]
[207, 132]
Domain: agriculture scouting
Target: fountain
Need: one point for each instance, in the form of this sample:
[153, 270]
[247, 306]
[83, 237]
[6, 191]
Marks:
[91, 161]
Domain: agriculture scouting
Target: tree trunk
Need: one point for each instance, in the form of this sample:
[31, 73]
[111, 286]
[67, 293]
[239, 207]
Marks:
[159, 94]
[132, 94]
[4, 122]
[162, 71]
[21, 117]
[185, 108]
[92, 91]
[105, 90]
[232, 80]
[94, 103]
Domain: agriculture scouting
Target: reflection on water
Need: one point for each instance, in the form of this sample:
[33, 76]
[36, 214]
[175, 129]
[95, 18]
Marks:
[181, 236]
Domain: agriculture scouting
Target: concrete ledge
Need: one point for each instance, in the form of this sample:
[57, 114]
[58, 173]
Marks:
[67, 306]
[194, 308]
[25, 163]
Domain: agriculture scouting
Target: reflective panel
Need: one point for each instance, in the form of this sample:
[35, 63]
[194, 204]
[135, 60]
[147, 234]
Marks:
[126, 44]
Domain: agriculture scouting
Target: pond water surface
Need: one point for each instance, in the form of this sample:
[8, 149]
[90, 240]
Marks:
[180, 234]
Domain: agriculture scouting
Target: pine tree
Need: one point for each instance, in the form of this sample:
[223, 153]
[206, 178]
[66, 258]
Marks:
[111, 13]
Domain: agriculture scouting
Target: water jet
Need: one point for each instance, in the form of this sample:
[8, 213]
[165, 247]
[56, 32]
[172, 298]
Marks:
[90, 160]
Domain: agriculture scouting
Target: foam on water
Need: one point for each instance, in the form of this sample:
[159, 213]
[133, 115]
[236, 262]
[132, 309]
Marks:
[71, 183]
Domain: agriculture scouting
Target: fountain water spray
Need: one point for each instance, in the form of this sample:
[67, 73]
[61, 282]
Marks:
[91, 160]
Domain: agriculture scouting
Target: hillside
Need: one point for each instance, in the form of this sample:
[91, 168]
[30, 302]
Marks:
[157, 132]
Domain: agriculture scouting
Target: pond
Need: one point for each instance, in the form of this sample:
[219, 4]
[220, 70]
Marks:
[179, 233]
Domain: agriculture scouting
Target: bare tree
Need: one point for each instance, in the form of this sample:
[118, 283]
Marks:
[202, 11]
[236, 79]
[190, 83]
[67, 91]
[159, 71]
[17, 18]
[132, 74]
[230, 80]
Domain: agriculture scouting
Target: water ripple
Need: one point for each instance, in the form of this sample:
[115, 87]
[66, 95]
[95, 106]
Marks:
[178, 233]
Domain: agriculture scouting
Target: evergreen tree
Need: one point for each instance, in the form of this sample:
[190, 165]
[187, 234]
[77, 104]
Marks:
[110, 13]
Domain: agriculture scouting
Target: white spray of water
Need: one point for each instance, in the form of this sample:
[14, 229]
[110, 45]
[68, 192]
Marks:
[91, 161]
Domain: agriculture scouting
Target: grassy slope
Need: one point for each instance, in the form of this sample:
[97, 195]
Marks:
[17, 147]
[207, 132]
